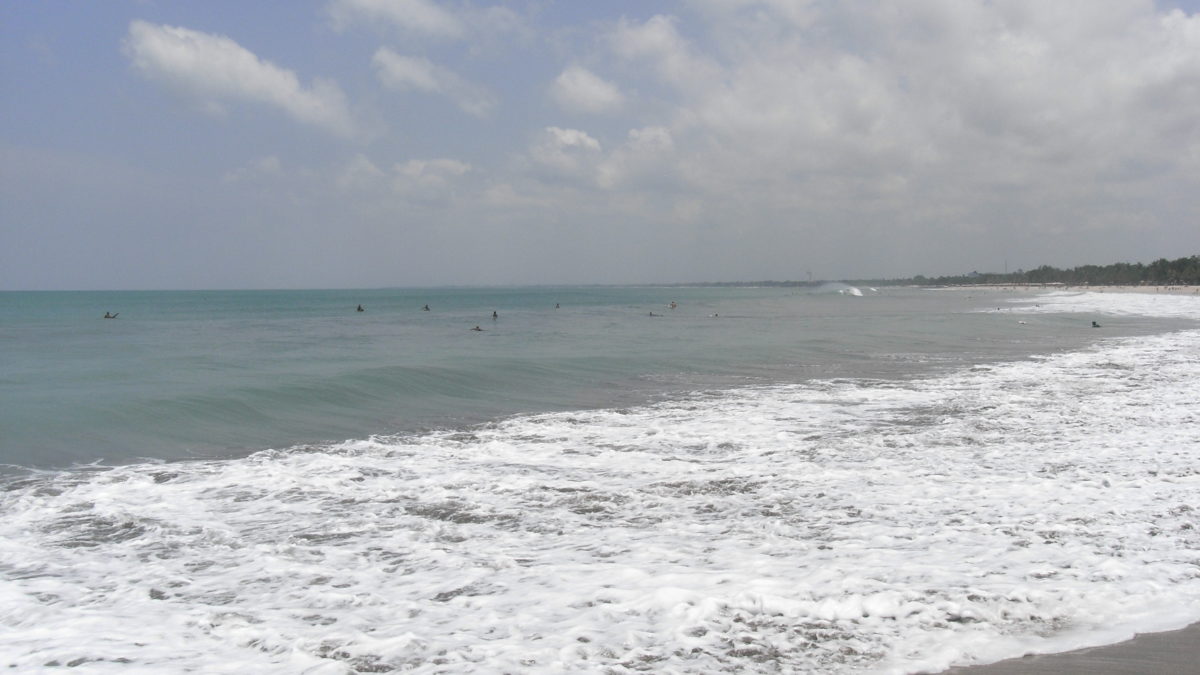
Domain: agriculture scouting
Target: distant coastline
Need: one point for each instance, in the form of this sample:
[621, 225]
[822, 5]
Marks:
[1182, 272]
[1178, 289]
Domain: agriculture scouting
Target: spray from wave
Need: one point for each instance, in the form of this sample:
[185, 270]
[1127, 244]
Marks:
[839, 288]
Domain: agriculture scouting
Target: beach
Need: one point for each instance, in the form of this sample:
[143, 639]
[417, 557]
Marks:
[1167, 653]
[1042, 288]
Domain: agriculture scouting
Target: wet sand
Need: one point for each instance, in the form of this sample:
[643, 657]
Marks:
[1170, 653]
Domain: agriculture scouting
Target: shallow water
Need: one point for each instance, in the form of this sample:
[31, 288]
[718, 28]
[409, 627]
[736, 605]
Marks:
[224, 374]
[942, 482]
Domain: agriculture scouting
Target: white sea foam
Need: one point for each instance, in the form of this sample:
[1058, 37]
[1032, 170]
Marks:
[1115, 303]
[834, 526]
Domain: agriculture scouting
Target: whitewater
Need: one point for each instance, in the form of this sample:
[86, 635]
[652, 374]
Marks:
[835, 525]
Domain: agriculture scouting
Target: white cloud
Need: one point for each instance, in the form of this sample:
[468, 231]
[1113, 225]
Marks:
[986, 122]
[404, 72]
[578, 89]
[408, 73]
[215, 71]
[360, 174]
[414, 16]
[571, 138]
[428, 176]
[429, 20]
[645, 160]
[882, 138]
[867, 92]
[413, 181]
[566, 151]
[658, 42]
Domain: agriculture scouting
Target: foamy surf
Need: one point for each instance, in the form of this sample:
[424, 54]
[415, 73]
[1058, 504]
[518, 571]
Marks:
[836, 526]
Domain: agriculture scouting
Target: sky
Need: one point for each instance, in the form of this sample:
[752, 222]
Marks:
[374, 143]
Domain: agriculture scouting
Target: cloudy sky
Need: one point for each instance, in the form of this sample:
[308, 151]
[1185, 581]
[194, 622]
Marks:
[365, 143]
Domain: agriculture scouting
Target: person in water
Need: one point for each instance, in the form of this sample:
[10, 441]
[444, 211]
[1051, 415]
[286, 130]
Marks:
[1095, 325]
[478, 329]
[425, 308]
[110, 316]
[495, 315]
[360, 309]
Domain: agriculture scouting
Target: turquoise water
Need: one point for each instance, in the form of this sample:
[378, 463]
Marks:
[210, 374]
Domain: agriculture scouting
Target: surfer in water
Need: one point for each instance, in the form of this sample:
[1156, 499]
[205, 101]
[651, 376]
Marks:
[360, 309]
[495, 316]
[1095, 325]
[425, 308]
[110, 316]
[478, 329]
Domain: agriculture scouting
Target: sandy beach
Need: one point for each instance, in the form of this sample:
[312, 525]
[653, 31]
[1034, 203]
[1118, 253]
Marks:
[1168, 653]
[1171, 290]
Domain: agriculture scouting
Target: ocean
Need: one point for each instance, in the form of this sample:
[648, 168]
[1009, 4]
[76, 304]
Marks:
[827, 480]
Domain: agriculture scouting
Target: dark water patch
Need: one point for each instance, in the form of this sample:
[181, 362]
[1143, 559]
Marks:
[594, 504]
[453, 512]
[322, 538]
[361, 663]
[718, 487]
[470, 590]
[91, 531]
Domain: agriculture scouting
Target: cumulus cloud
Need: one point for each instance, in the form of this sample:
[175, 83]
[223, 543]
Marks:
[429, 175]
[409, 73]
[578, 89]
[424, 19]
[994, 122]
[415, 181]
[884, 138]
[645, 159]
[216, 71]
[360, 174]
[414, 16]
[658, 42]
[566, 151]
[873, 94]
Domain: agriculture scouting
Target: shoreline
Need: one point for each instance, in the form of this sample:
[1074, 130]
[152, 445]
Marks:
[1162, 290]
[1162, 653]
[1171, 652]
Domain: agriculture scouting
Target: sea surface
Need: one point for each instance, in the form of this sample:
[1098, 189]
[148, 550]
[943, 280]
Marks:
[829, 480]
